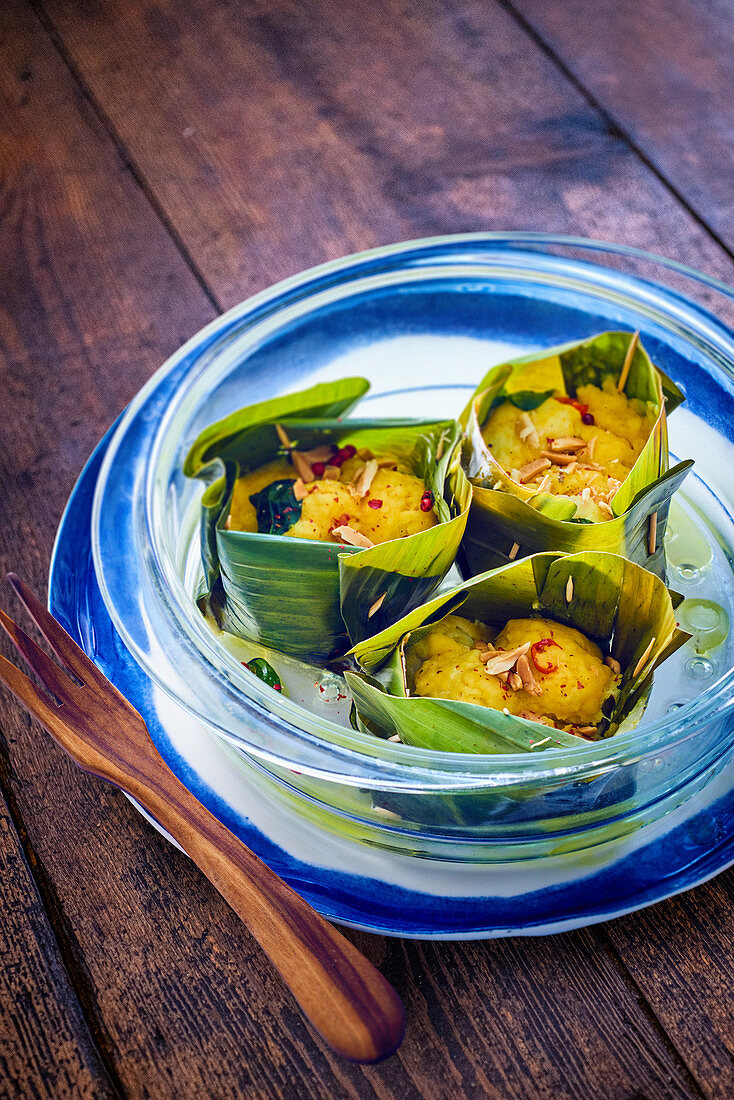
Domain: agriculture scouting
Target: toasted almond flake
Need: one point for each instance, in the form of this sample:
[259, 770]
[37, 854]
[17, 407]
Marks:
[496, 485]
[480, 644]
[318, 454]
[525, 673]
[302, 467]
[605, 509]
[345, 533]
[614, 664]
[332, 473]
[569, 589]
[360, 487]
[532, 469]
[395, 739]
[558, 458]
[299, 490]
[514, 681]
[571, 467]
[652, 533]
[644, 658]
[514, 475]
[591, 445]
[526, 430]
[365, 454]
[545, 484]
[440, 446]
[376, 605]
[586, 729]
[513, 551]
[283, 437]
[503, 662]
[628, 362]
[568, 443]
[586, 494]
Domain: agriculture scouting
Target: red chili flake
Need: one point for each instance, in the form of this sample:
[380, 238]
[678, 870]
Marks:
[579, 685]
[427, 501]
[318, 469]
[587, 418]
[578, 405]
[375, 503]
[543, 661]
[347, 452]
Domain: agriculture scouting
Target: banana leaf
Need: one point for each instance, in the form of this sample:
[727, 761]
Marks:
[506, 515]
[288, 593]
[624, 608]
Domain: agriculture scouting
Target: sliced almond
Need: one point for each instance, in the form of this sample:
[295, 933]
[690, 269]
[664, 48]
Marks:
[503, 662]
[569, 589]
[283, 437]
[347, 534]
[360, 487]
[644, 658]
[558, 458]
[525, 673]
[532, 469]
[628, 362]
[396, 741]
[591, 445]
[318, 454]
[302, 467]
[365, 454]
[514, 681]
[614, 664]
[300, 492]
[586, 494]
[571, 467]
[332, 473]
[605, 509]
[567, 443]
[586, 729]
[376, 605]
[652, 533]
[513, 551]
[526, 430]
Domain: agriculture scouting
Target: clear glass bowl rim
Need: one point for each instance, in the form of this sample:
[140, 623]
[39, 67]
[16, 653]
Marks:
[347, 759]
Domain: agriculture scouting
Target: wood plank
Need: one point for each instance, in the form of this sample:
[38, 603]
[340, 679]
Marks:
[665, 73]
[188, 1007]
[277, 134]
[46, 1049]
[681, 954]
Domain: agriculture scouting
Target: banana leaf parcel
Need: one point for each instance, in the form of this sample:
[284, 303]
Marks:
[509, 520]
[624, 608]
[305, 597]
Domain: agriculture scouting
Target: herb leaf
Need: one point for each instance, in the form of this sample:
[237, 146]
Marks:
[265, 672]
[276, 507]
[527, 399]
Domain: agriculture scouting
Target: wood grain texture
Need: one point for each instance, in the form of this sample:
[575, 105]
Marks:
[45, 1046]
[665, 73]
[682, 955]
[286, 132]
[316, 129]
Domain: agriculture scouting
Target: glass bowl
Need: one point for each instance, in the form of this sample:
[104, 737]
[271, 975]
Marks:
[423, 320]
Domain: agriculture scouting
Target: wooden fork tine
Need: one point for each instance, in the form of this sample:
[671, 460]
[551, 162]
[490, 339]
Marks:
[61, 643]
[31, 697]
[51, 675]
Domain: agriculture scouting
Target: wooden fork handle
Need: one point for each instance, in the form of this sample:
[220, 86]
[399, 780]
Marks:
[345, 997]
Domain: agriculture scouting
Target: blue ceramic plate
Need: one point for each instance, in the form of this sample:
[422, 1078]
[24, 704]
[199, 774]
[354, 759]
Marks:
[480, 303]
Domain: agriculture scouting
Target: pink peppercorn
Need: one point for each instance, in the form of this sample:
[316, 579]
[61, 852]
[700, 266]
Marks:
[375, 503]
[318, 469]
[348, 452]
[587, 418]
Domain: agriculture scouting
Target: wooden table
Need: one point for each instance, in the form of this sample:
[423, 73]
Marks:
[159, 162]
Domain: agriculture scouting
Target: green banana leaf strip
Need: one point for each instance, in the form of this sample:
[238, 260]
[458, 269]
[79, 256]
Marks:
[498, 521]
[506, 515]
[406, 571]
[622, 606]
[285, 592]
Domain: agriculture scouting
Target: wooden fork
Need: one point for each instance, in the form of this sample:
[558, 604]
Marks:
[347, 1000]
